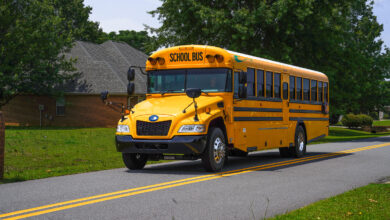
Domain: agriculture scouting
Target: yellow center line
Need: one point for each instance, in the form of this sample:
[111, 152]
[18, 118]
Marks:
[171, 184]
[145, 187]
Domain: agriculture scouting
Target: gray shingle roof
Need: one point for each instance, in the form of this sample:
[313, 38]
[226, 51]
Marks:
[104, 67]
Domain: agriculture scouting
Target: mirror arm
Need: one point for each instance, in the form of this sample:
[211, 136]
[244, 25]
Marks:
[141, 69]
[196, 111]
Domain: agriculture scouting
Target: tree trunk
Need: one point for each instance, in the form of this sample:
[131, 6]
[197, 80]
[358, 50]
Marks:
[2, 144]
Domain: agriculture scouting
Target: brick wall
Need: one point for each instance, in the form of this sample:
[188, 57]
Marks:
[80, 111]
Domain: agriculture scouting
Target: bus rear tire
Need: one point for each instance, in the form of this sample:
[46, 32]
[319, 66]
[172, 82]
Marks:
[134, 161]
[214, 156]
[300, 143]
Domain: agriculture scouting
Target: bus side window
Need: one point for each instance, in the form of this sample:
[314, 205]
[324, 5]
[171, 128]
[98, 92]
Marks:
[292, 87]
[326, 92]
[277, 85]
[260, 83]
[314, 90]
[306, 89]
[299, 88]
[250, 74]
[268, 83]
[285, 91]
[320, 91]
[236, 84]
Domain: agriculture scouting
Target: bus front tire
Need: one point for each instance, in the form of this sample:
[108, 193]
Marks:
[134, 161]
[300, 143]
[214, 156]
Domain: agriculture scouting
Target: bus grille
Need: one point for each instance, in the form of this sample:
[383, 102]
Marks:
[153, 129]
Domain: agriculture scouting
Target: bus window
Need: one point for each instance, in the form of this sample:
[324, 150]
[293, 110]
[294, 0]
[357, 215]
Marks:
[236, 83]
[268, 83]
[285, 90]
[314, 90]
[326, 92]
[299, 88]
[260, 83]
[277, 85]
[320, 91]
[306, 90]
[292, 87]
[250, 82]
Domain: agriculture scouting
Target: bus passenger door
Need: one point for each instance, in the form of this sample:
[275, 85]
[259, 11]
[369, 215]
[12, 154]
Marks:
[285, 108]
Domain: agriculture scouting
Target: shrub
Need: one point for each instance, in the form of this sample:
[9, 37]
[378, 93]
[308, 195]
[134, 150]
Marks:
[351, 121]
[374, 115]
[365, 120]
[354, 121]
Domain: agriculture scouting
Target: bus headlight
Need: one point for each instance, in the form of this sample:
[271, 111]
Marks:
[123, 129]
[192, 129]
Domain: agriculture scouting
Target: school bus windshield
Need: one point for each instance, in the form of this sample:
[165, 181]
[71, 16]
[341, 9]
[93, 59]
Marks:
[178, 80]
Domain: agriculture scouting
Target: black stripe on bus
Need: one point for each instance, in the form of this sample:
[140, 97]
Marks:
[305, 111]
[308, 119]
[306, 102]
[316, 138]
[258, 119]
[249, 109]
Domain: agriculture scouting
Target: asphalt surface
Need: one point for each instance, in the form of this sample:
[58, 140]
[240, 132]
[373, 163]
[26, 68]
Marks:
[264, 185]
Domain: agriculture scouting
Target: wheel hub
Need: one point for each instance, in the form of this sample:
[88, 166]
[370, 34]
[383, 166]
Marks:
[301, 142]
[219, 150]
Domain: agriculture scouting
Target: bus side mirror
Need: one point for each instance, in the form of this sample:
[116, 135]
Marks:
[130, 74]
[242, 78]
[130, 88]
[193, 93]
[104, 95]
[242, 91]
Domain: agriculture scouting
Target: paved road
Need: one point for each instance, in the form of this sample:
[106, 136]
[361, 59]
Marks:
[182, 190]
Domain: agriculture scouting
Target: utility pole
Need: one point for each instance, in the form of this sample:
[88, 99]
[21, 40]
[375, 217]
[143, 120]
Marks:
[2, 144]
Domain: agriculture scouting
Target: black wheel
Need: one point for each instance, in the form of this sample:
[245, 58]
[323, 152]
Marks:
[214, 156]
[134, 161]
[285, 152]
[300, 143]
[238, 153]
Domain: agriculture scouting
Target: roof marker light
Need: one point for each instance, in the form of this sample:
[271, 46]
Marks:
[219, 58]
[160, 60]
[210, 58]
[152, 60]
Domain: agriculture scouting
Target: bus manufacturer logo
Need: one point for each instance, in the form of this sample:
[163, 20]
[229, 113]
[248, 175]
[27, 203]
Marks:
[153, 118]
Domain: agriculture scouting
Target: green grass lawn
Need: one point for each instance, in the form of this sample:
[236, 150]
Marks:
[381, 123]
[342, 134]
[33, 153]
[368, 202]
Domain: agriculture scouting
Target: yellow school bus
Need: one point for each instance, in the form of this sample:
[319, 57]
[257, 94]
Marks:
[209, 103]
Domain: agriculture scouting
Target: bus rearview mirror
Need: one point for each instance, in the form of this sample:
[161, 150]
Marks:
[130, 88]
[242, 78]
[130, 74]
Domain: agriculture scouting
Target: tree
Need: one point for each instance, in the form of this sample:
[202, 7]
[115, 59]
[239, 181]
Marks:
[139, 40]
[34, 35]
[339, 38]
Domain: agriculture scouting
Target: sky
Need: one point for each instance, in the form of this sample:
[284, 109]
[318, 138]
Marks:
[118, 15]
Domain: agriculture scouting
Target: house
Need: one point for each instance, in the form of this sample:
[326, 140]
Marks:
[101, 67]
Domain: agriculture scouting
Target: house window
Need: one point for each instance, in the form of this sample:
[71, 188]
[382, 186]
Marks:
[60, 107]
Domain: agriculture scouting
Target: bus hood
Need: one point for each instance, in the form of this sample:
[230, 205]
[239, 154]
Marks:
[172, 106]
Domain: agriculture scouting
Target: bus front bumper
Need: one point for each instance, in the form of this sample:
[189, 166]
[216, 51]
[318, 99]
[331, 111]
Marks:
[193, 145]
